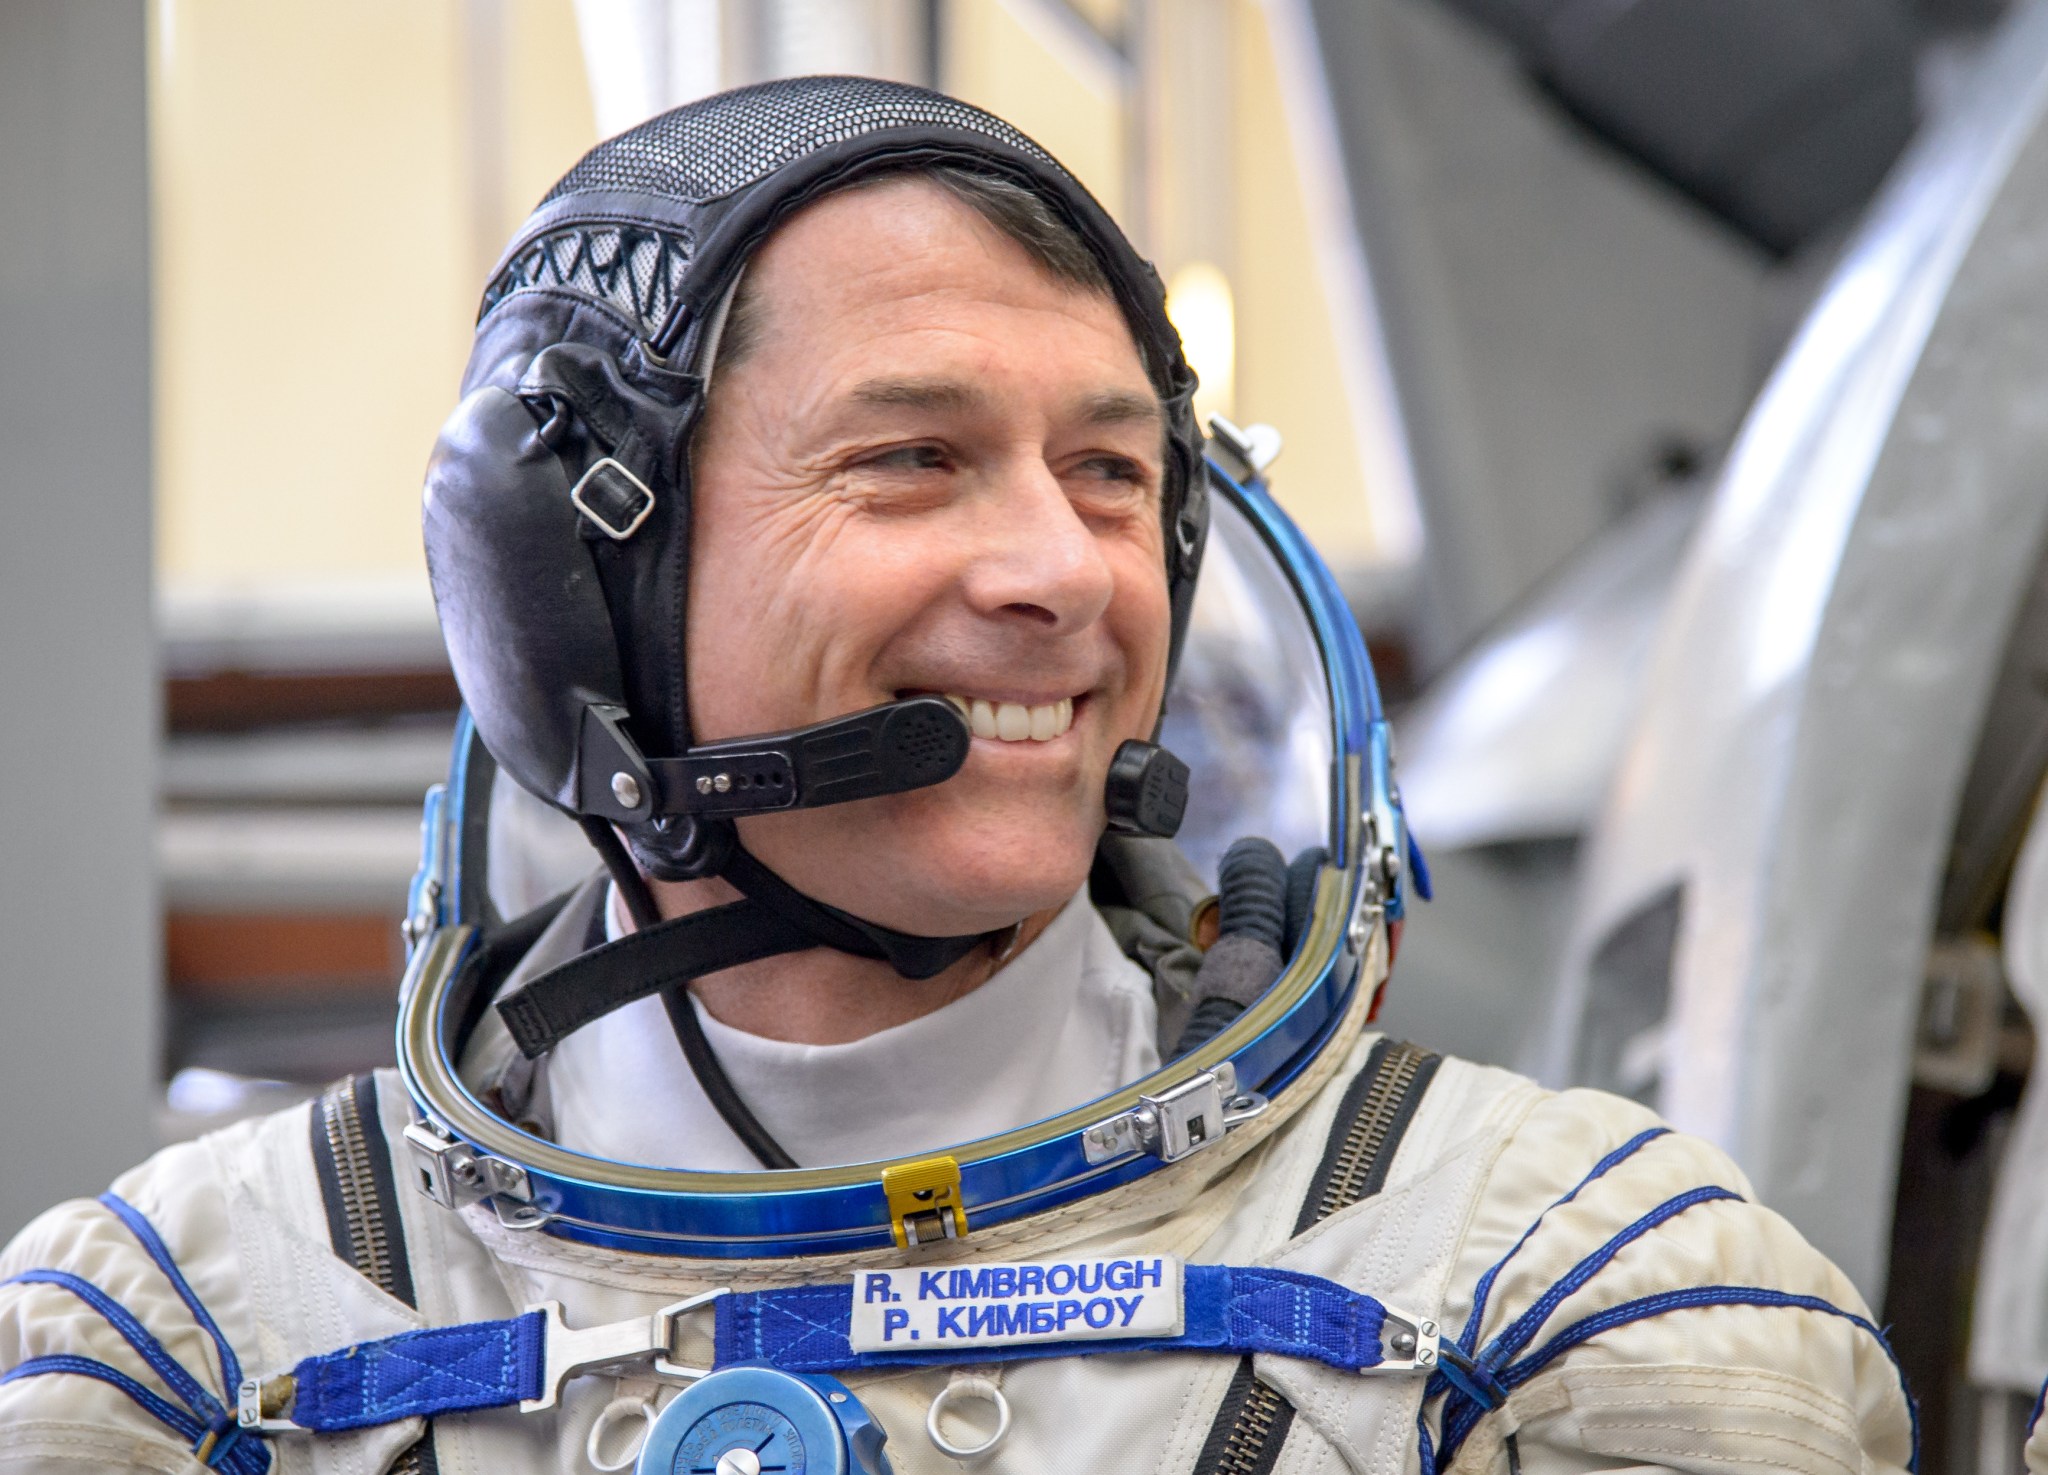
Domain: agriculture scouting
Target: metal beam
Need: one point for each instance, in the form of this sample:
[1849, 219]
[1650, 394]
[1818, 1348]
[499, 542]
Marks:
[79, 950]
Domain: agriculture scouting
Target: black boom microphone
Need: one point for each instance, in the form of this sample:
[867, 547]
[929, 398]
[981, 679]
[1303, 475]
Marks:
[890, 749]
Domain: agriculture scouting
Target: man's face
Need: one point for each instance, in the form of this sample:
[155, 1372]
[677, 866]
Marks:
[935, 469]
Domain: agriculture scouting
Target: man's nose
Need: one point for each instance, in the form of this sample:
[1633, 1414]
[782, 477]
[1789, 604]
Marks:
[1039, 560]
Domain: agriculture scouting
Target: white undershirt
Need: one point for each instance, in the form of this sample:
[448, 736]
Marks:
[1068, 1019]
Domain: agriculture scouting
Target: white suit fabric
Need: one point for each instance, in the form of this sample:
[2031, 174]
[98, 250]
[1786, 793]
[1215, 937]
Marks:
[1485, 1156]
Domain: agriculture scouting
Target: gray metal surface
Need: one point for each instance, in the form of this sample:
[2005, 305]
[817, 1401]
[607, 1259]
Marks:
[2009, 1325]
[1505, 762]
[1518, 740]
[78, 728]
[1778, 115]
[1476, 962]
[1786, 801]
[1553, 318]
[288, 857]
[378, 624]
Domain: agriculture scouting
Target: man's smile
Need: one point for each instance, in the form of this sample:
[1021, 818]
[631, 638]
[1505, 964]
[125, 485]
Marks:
[1012, 719]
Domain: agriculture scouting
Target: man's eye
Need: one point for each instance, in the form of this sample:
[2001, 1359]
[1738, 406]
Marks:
[910, 458]
[1114, 469]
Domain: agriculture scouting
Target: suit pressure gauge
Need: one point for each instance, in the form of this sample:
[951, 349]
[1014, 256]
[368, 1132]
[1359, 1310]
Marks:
[755, 1420]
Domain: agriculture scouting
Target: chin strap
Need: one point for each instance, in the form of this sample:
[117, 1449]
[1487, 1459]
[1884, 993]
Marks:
[1145, 793]
[771, 918]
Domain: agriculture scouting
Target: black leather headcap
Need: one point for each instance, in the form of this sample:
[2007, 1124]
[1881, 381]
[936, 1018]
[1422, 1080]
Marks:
[557, 500]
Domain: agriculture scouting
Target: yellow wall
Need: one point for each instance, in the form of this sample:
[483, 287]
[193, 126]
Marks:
[1022, 70]
[1288, 371]
[333, 181]
[317, 264]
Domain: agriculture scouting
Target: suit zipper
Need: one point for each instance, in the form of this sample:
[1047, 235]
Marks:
[1248, 1449]
[369, 1240]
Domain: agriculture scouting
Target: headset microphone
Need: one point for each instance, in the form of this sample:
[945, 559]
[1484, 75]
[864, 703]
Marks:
[909, 744]
[889, 749]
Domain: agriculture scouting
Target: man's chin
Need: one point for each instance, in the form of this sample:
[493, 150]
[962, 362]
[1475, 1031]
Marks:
[935, 873]
[925, 896]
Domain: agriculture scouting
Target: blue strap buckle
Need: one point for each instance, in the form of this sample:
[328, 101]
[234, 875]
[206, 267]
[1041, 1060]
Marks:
[648, 1346]
[526, 1360]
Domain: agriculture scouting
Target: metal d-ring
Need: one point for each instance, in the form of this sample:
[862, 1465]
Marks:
[970, 1387]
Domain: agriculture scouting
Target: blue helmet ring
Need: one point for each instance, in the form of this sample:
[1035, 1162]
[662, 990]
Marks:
[1275, 707]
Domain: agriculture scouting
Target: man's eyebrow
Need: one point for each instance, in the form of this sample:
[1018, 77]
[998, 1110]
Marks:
[919, 394]
[1121, 407]
[1104, 407]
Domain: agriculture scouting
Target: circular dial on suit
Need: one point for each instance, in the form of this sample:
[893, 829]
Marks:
[751, 1419]
[741, 1438]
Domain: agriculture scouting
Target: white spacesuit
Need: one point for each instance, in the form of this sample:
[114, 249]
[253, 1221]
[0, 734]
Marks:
[1148, 1194]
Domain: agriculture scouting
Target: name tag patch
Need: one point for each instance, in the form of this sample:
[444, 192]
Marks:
[1005, 1305]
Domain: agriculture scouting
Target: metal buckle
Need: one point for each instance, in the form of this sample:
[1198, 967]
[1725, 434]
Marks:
[604, 473]
[454, 1174]
[419, 923]
[1380, 875]
[1178, 1122]
[260, 1404]
[646, 1345]
[924, 1202]
[1413, 1341]
[1255, 446]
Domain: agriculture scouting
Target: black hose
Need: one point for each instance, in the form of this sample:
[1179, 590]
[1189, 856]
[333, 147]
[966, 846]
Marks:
[1301, 894]
[682, 1014]
[1251, 892]
[1251, 918]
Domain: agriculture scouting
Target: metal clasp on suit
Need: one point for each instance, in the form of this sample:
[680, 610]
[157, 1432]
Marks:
[1410, 1344]
[1177, 1122]
[1380, 845]
[454, 1174]
[263, 1405]
[647, 1346]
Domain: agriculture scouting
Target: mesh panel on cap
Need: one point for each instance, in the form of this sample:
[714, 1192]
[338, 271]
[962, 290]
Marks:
[636, 270]
[709, 149]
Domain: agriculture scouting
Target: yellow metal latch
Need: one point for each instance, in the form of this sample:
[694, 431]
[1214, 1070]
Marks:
[924, 1202]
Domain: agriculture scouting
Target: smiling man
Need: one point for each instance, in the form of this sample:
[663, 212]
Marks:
[930, 434]
[821, 527]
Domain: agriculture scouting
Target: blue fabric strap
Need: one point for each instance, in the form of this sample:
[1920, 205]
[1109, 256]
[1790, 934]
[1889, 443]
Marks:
[1486, 1377]
[205, 1420]
[1228, 1308]
[804, 1329]
[1517, 1334]
[480, 1364]
[188, 1388]
[1469, 1337]
[209, 1424]
[152, 1242]
[1462, 1412]
[1459, 1422]
[214, 1438]
[150, 1402]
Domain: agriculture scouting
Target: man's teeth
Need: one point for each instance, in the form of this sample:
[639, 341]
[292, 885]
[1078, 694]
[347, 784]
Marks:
[1013, 722]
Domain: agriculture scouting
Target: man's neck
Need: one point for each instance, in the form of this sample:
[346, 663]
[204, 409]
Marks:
[824, 996]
